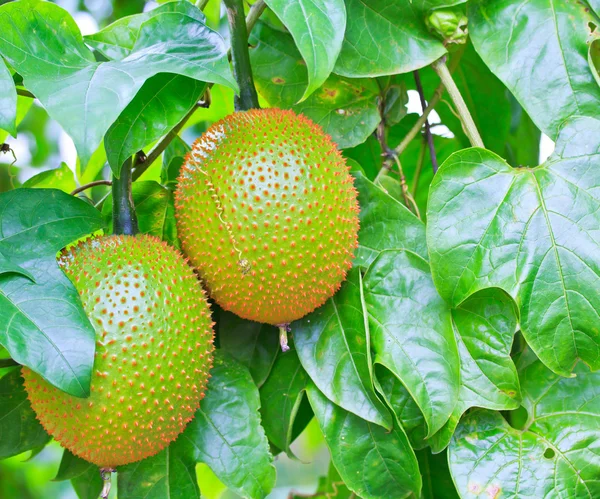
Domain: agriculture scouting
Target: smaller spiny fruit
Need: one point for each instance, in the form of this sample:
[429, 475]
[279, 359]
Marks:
[267, 213]
[154, 345]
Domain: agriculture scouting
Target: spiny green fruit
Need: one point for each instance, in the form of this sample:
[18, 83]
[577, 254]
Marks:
[267, 213]
[154, 345]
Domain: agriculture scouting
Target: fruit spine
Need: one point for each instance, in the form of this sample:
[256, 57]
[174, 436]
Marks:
[267, 213]
[154, 345]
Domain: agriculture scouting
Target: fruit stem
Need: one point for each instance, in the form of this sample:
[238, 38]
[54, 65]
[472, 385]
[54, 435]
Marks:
[466, 119]
[247, 98]
[106, 474]
[284, 329]
[124, 219]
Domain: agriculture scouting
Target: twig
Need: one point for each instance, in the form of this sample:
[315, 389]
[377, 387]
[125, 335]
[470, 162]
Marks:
[419, 167]
[255, 12]
[25, 93]
[201, 4]
[142, 162]
[466, 119]
[435, 99]
[90, 185]
[247, 98]
[106, 475]
[428, 134]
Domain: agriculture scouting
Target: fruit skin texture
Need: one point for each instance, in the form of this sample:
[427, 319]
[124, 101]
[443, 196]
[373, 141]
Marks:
[154, 343]
[270, 188]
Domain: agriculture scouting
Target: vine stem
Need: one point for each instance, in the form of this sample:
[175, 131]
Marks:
[428, 134]
[124, 218]
[90, 185]
[466, 119]
[201, 4]
[254, 13]
[142, 162]
[247, 98]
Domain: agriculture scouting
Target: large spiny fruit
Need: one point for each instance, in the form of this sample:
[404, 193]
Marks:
[267, 213]
[154, 345]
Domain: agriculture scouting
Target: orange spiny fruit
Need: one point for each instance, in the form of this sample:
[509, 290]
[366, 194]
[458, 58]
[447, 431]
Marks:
[267, 213]
[154, 345]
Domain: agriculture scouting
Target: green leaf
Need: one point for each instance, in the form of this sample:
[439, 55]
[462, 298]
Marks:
[226, 433]
[385, 38]
[253, 344]
[411, 332]
[437, 481]
[330, 487]
[86, 96]
[333, 345]
[173, 159]
[42, 323]
[160, 104]
[8, 100]
[118, 39]
[155, 209]
[594, 58]
[20, 431]
[280, 74]
[281, 399]
[538, 49]
[372, 461]
[170, 474]
[345, 108]
[484, 327]
[530, 232]
[555, 456]
[385, 223]
[318, 29]
[403, 405]
[85, 477]
[59, 178]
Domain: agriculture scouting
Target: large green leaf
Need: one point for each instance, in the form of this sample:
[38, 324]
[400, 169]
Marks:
[20, 431]
[484, 327]
[555, 455]
[86, 96]
[155, 209]
[160, 104]
[8, 100]
[253, 344]
[85, 477]
[226, 433]
[373, 462]
[282, 398]
[170, 474]
[531, 232]
[42, 323]
[538, 49]
[385, 223]
[118, 39]
[318, 29]
[334, 347]
[345, 108]
[384, 38]
[411, 332]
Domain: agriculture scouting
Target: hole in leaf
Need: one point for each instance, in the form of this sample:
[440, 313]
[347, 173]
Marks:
[592, 26]
[549, 453]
